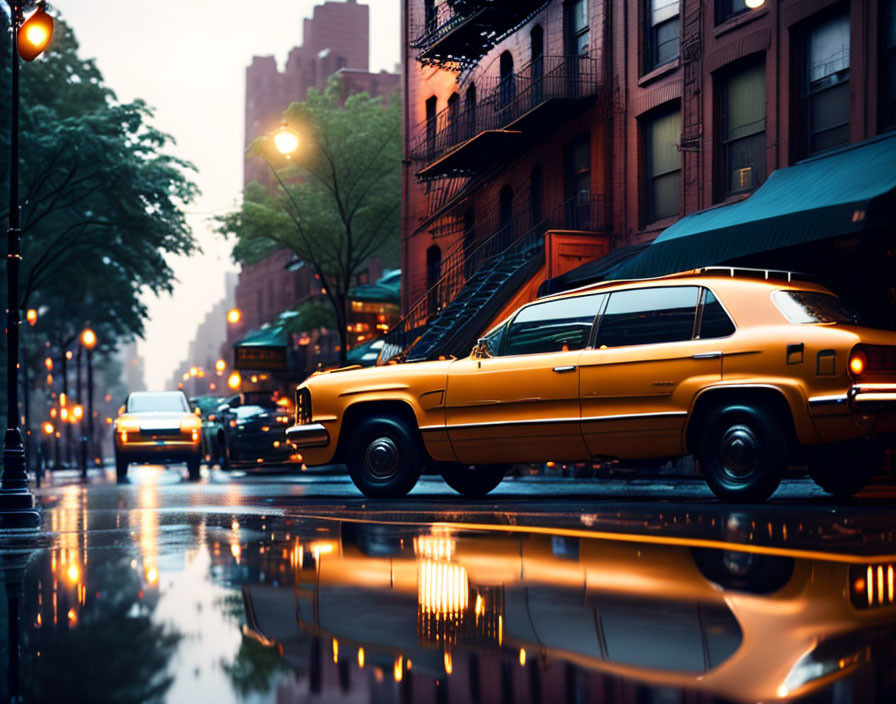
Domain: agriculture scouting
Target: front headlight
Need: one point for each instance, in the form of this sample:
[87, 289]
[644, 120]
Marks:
[829, 659]
[127, 425]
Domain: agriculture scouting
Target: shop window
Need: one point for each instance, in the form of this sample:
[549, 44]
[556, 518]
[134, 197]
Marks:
[661, 33]
[888, 67]
[553, 326]
[743, 130]
[663, 166]
[577, 30]
[826, 84]
[648, 316]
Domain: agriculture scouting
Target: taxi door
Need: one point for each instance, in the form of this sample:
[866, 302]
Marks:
[639, 380]
[522, 405]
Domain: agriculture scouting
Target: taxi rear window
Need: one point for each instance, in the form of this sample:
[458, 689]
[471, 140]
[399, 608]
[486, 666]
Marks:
[802, 307]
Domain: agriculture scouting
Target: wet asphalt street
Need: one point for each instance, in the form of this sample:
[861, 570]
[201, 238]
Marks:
[277, 587]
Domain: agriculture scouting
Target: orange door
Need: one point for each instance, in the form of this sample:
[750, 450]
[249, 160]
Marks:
[638, 385]
[522, 405]
[515, 409]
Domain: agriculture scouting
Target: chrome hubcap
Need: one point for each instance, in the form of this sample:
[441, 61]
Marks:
[381, 458]
[740, 452]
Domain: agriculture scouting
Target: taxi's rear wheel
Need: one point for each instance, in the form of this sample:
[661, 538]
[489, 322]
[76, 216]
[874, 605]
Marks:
[844, 469]
[121, 467]
[384, 457]
[193, 467]
[474, 481]
[743, 452]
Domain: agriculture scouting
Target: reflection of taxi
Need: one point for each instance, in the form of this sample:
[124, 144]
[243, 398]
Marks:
[744, 370]
[743, 625]
[157, 427]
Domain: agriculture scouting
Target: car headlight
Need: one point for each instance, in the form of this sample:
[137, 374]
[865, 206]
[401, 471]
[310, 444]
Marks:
[128, 425]
[827, 659]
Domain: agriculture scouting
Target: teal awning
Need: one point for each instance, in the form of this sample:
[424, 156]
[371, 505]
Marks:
[840, 192]
[272, 336]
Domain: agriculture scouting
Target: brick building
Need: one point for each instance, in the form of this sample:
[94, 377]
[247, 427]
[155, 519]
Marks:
[335, 41]
[580, 127]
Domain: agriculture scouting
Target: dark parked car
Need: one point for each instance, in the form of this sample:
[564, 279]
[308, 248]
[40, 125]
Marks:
[253, 430]
[211, 426]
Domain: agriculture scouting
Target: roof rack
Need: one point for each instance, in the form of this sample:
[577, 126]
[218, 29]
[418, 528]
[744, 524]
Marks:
[745, 271]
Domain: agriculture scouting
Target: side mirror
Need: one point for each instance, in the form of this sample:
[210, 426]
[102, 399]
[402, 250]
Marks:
[481, 350]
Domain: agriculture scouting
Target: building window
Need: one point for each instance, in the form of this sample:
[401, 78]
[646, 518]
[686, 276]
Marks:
[430, 125]
[430, 15]
[661, 33]
[663, 166]
[470, 110]
[507, 87]
[726, 9]
[826, 84]
[577, 181]
[577, 28]
[743, 130]
[536, 66]
[888, 68]
[454, 118]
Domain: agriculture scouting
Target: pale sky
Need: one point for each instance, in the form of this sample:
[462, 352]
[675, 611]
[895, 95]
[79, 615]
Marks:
[187, 59]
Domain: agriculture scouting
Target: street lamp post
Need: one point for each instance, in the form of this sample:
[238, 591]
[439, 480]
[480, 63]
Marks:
[16, 501]
[88, 342]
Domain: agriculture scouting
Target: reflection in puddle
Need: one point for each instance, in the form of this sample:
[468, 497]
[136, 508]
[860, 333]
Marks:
[220, 608]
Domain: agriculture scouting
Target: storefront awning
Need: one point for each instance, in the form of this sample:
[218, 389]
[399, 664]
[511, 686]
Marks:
[840, 192]
[263, 349]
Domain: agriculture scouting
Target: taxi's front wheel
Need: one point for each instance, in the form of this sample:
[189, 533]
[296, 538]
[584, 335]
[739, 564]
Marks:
[384, 457]
[743, 452]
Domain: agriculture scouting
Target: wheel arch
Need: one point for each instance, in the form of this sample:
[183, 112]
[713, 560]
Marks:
[769, 396]
[358, 411]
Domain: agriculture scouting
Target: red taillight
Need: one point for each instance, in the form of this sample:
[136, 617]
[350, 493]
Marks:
[868, 360]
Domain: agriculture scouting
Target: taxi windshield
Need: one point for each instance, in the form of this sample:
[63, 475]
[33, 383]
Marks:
[160, 402]
[803, 307]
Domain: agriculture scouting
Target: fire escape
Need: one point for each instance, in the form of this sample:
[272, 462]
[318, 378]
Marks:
[480, 130]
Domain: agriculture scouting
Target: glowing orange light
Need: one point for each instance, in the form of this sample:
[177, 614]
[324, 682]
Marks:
[48, 428]
[68, 354]
[48, 363]
[234, 380]
[220, 365]
[88, 338]
[361, 658]
[35, 34]
[78, 412]
[522, 657]
[398, 669]
[152, 575]
[234, 315]
[286, 141]
[857, 363]
[31, 316]
[73, 573]
[72, 618]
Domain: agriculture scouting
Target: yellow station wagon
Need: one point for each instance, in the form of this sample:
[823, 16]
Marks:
[750, 371]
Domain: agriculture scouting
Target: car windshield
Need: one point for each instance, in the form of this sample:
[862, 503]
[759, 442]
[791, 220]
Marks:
[171, 401]
[206, 404]
[803, 307]
[260, 398]
[249, 411]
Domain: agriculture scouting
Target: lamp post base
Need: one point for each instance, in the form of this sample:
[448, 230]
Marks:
[17, 509]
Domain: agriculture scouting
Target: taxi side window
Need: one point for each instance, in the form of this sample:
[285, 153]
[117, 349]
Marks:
[645, 316]
[714, 321]
[553, 326]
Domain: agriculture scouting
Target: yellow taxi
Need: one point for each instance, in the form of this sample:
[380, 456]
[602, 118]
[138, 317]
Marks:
[750, 371]
[157, 427]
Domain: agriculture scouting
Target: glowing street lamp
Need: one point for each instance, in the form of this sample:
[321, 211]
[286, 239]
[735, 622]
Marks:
[234, 381]
[31, 316]
[234, 316]
[286, 140]
[220, 365]
[35, 34]
[754, 4]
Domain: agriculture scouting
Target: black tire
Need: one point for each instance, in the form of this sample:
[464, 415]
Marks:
[845, 468]
[224, 452]
[121, 468]
[193, 465]
[473, 481]
[743, 452]
[384, 457]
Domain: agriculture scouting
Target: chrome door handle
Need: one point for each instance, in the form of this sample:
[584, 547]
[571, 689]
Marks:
[563, 370]
[708, 355]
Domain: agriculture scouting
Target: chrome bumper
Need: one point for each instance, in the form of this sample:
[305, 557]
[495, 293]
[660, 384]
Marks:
[871, 396]
[310, 435]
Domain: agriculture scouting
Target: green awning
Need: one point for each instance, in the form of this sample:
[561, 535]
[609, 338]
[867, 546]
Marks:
[271, 336]
[840, 192]
[376, 293]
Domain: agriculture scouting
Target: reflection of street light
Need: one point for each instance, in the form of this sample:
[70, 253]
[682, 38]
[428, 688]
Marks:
[234, 381]
[233, 316]
[286, 140]
[16, 501]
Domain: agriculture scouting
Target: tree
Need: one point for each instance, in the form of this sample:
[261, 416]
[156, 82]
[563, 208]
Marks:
[102, 202]
[337, 200]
